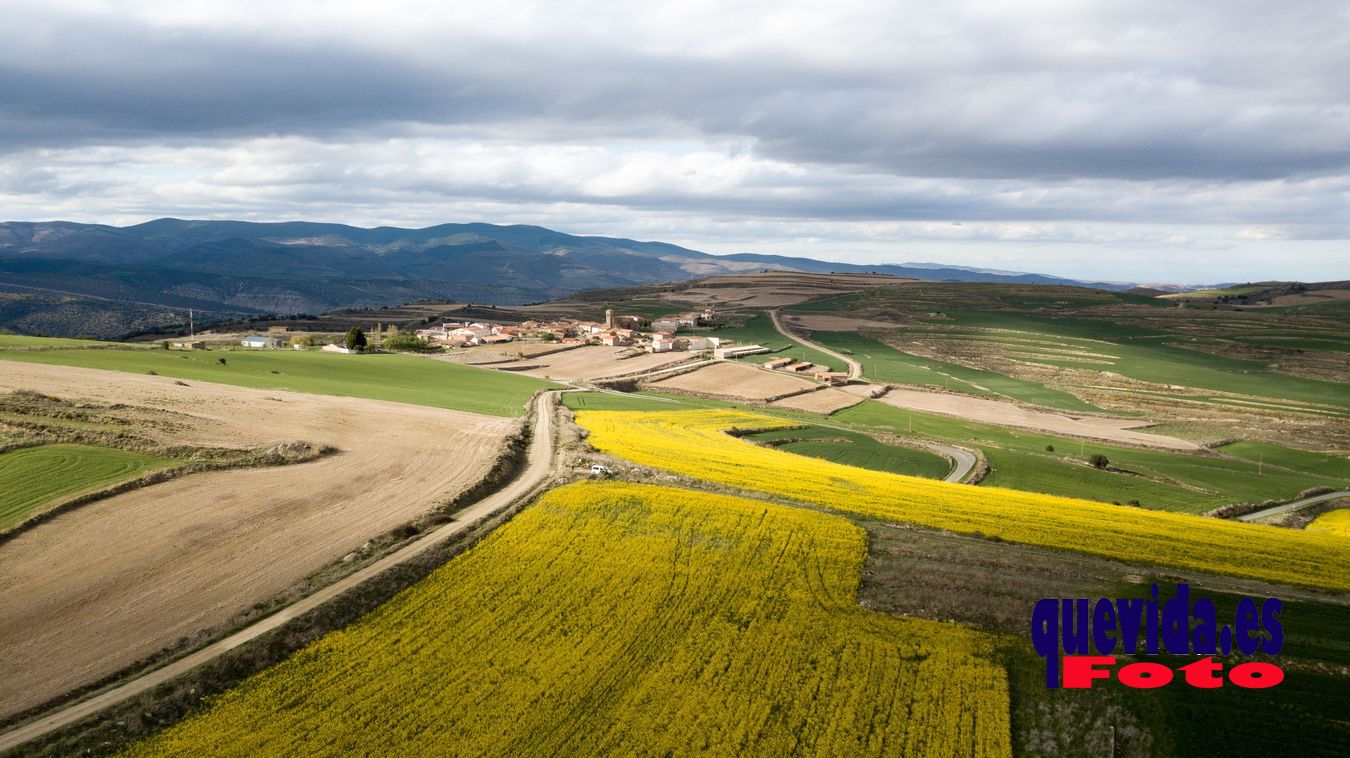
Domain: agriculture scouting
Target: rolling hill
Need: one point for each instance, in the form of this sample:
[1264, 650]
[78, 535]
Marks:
[232, 269]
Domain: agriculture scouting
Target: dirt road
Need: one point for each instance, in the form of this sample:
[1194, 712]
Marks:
[105, 585]
[538, 468]
[854, 368]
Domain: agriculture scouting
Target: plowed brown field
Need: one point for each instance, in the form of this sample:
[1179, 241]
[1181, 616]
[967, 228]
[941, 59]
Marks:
[100, 587]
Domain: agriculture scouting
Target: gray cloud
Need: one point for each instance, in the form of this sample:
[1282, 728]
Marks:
[1030, 116]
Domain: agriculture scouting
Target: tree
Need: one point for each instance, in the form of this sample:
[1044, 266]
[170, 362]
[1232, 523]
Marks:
[356, 339]
[1099, 461]
[546, 337]
[406, 342]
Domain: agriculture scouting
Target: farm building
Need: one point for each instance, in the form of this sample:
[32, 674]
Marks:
[188, 345]
[738, 351]
[799, 367]
[777, 363]
[831, 377]
[260, 341]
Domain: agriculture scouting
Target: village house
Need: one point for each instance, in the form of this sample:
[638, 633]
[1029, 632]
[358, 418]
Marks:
[666, 325]
[662, 342]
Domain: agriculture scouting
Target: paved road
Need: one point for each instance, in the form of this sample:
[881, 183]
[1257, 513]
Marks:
[1296, 505]
[854, 368]
[539, 464]
[964, 460]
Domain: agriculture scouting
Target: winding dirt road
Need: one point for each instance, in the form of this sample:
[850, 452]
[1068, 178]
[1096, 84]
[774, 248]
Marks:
[539, 465]
[854, 368]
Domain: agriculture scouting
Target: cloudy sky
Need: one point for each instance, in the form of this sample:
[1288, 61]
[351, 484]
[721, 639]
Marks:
[1133, 140]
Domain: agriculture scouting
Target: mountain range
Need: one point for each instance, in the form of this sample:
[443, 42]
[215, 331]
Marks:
[66, 278]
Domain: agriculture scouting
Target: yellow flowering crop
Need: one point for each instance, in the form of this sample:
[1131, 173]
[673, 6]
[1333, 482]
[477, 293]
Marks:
[694, 443]
[1335, 522]
[626, 619]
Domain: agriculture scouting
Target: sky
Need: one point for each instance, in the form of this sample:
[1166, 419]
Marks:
[1125, 141]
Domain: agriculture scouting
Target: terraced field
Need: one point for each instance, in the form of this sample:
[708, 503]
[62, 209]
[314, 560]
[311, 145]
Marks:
[627, 619]
[31, 479]
[693, 443]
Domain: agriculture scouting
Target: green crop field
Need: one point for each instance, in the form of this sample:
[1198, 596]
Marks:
[883, 363]
[35, 477]
[400, 378]
[1189, 483]
[23, 342]
[758, 330]
[855, 449]
[636, 401]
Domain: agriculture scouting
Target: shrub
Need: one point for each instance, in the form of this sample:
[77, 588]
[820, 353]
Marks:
[356, 339]
[1099, 461]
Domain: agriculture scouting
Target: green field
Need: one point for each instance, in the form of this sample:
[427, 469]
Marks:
[758, 330]
[883, 363]
[400, 378]
[22, 342]
[637, 401]
[856, 449]
[35, 477]
[1161, 480]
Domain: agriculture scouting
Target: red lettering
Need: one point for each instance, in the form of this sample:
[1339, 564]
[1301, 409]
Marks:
[1145, 675]
[1201, 673]
[1080, 670]
[1255, 675]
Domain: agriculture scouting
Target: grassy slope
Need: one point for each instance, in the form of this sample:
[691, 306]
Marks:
[884, 363]
[31, 478]
[20, 342]
[400, 378]
[854, 449]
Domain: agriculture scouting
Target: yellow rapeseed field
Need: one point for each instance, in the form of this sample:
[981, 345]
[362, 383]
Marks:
[627, 619]
[1335, 522]
[694, 443]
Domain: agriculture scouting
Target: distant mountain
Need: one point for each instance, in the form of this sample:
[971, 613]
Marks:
[228, 269]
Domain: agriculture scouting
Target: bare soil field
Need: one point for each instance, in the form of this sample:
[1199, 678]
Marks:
[593, 362]
[1010, 414]
[105, 585]
[827, 401]
[735, 380]
[484, 354]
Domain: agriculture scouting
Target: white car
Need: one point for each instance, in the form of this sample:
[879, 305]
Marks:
[599, 469]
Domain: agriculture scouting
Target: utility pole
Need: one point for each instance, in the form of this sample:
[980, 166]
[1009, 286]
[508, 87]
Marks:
[1261, 465]
[192, 330]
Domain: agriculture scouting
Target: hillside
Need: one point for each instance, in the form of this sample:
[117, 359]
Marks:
[229, 269]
